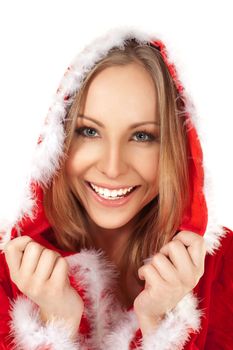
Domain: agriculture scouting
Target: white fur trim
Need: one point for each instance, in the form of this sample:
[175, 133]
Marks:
[113, 328]
[120, 337]
[46, 157]
[174, 330]
[214, 232]
[98, 276]
[29, 333]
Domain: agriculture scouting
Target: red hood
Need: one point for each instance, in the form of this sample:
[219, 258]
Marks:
[198, 216]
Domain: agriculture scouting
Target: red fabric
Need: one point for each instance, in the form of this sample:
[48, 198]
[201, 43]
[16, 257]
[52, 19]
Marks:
[215, 295]
[196, 215]
[214, 292]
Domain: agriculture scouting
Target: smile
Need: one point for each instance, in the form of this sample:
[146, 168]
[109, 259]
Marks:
[111, 198]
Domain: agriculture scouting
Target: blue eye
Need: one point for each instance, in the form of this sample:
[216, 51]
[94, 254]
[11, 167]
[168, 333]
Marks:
[81, 130]
[147, 137]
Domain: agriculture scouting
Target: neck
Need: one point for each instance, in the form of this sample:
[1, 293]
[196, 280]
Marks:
[111, 241]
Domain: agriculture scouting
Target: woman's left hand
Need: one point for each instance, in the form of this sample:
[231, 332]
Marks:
[170, 275]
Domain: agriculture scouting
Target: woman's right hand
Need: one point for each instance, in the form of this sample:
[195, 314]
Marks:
[42, 275]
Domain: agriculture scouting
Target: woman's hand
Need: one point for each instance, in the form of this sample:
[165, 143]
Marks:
[42, 275]
[170, 275]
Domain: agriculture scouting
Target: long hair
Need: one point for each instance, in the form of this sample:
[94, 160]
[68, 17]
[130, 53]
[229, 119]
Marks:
[159, 220]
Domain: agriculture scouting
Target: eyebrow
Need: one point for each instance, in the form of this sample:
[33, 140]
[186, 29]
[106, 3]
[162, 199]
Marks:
[132, 126]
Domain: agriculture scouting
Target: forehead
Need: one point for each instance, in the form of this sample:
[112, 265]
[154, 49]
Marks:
[127, 91]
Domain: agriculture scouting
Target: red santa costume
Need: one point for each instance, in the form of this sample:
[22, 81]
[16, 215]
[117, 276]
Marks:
[203, 319]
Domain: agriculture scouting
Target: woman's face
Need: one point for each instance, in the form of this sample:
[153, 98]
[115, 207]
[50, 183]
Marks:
[108, 151]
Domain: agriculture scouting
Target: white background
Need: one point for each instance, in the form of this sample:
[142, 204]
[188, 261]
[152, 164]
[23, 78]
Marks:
[39, 39]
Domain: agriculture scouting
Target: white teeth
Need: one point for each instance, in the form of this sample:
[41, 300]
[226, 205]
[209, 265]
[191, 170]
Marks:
[108, 193]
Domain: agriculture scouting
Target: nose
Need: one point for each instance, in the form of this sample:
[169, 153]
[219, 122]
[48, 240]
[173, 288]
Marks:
[113, 162]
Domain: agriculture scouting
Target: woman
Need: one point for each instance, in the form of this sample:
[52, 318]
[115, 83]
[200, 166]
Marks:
[117, 246]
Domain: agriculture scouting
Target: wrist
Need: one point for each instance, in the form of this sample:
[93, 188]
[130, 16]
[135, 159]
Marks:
[149, 325]
[72, 321]
[73, 324]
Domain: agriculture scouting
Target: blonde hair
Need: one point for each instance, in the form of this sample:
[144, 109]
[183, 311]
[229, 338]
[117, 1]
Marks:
[159, 220]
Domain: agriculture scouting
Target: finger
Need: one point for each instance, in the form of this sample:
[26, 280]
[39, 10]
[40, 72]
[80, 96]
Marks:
[150, 274]
[180, 258]
[46, 264]
[165, 268]
[14, 252]
[195, 244]
[59, 275]
[30, 258]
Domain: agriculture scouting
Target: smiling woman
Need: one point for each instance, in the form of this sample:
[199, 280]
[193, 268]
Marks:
[124, 249]
[125, 151]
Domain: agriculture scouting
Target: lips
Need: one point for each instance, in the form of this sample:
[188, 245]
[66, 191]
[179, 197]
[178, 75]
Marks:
[114, 202]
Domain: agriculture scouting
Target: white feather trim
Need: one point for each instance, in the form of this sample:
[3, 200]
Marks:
[29, 333]
[174, 330]
[113, 328]
[98, 276]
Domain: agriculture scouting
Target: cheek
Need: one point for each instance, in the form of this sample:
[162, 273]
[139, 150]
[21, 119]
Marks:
[79, 160]
[148, 166]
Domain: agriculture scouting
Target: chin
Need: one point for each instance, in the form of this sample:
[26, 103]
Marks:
[109, 223]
